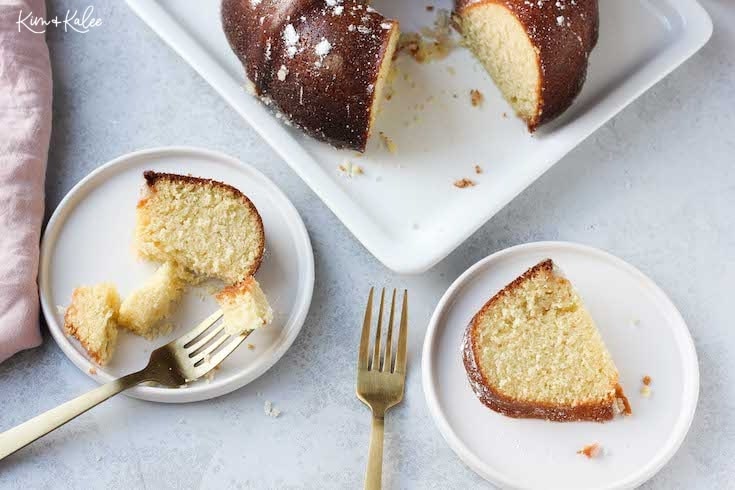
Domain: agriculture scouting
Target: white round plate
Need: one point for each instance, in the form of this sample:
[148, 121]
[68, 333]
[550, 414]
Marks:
[645, 334]
[89, 240]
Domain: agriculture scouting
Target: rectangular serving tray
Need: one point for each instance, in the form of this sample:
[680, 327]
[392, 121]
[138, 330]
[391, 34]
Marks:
[405, 209]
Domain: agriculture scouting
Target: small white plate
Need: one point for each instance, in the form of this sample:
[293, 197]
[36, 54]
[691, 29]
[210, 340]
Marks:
[89, 240]
[405, 209]
[645, 334]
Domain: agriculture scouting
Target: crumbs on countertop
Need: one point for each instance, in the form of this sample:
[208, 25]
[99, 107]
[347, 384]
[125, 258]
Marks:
[478, 169]
[270, 410]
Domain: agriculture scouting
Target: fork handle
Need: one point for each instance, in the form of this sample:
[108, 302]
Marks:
[20, 436]
[374, 476]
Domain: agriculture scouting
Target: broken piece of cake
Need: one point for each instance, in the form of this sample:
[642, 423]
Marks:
[142, 311]
[91, 318]
[244, 307]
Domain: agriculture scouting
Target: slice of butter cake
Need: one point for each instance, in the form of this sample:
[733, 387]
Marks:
[533, 351]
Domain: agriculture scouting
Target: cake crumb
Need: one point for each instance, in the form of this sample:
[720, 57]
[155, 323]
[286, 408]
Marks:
[431, 43]
[478, 169]
[646, 387]
[389, 144]
[92, 370]
[463, 183]
[350, 169]
[590, 451]
[476, 98]
[505, 115]
[270, 410]
[251, 346]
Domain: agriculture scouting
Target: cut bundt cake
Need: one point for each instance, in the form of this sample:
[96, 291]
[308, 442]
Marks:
[145, 307]
[204, 226]
[535, 51]
[533, 351]
[91, 318]
[244, 307]
[322, 63]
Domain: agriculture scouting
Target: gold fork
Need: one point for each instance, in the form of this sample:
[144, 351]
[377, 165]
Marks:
[185, 359]
[380, 378]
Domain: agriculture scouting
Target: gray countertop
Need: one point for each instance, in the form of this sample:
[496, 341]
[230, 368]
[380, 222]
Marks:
[655, 186]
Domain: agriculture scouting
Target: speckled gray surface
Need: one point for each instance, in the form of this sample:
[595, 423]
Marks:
[655, 186]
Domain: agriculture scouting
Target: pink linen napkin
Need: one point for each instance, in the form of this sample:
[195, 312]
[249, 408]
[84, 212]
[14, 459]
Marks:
[25, 128]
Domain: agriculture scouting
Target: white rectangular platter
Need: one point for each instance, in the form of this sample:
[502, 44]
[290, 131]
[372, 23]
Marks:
[404, 208]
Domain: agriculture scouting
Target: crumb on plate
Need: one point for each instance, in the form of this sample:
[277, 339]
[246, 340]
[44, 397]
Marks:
[590, 451]
[389, 144]
[476, 97]
[463, 183]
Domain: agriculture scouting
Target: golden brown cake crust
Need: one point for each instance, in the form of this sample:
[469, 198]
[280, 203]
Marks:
[488, 395]
[71, 329]
[563, 37]
[152, 178]
[330, 96]
[235, 290]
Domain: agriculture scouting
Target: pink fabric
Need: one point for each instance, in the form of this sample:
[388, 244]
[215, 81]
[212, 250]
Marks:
[25, 128]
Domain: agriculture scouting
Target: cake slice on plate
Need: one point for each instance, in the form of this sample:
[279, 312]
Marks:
[205, 226]
[533, 351]
[91, 318]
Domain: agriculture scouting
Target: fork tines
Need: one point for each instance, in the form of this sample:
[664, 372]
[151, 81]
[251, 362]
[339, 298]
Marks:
[382, 357]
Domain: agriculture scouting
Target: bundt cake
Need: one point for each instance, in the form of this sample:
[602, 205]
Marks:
[535, 50]
[209, 228]
[323, 63]
[533, 351]
[244, 307]
[91, 318]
